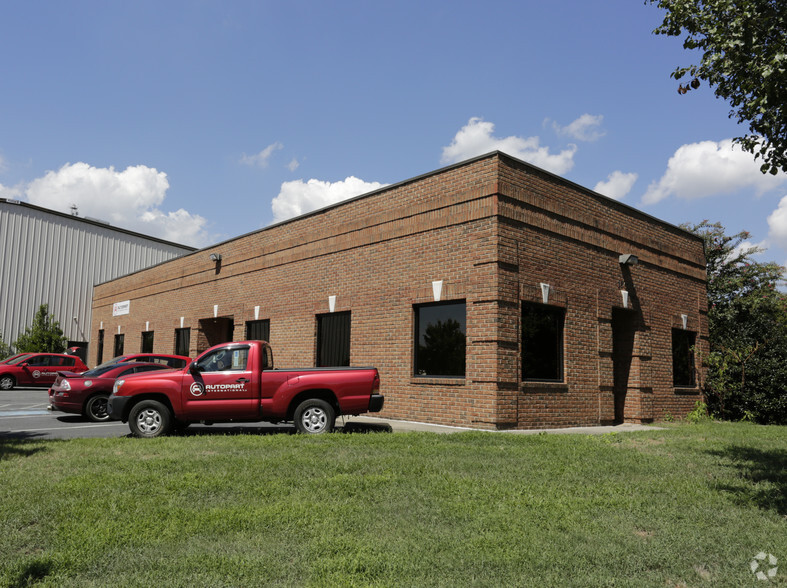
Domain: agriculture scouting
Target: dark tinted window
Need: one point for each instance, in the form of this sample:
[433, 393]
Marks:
[258, 330]
[182, 341]
[99, 370]
[683, 358]
[100, 350]
[119, 342]
[147, 342]
[38, 360]
[333, 339]
[63, 361]
[542, 342]
[440, 339]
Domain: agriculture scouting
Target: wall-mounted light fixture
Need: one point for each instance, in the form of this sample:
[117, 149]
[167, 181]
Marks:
[215, 257]
[628, 259]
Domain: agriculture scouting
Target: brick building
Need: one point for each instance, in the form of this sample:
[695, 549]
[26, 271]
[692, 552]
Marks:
[490, 294]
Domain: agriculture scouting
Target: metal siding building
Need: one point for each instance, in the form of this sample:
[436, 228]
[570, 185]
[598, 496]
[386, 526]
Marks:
[48, 257]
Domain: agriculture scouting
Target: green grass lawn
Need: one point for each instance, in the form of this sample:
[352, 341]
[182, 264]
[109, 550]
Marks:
[690, 505]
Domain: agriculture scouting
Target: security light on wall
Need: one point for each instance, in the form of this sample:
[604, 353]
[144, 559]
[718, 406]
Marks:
[216, 257]
[628, 259]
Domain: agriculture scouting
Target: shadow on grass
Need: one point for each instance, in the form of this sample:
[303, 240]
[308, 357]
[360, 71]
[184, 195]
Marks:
[18, 444]
[268, 429]
[763, 476]
[32, 573]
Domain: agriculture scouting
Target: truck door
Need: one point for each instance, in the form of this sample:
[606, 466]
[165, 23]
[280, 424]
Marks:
[222, 387]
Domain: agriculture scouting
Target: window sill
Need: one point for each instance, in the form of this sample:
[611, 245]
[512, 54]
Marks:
[429, 381]
[541, 386]
[686, 390]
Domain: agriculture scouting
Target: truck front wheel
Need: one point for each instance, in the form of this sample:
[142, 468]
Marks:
[314, 416]
[149, 418]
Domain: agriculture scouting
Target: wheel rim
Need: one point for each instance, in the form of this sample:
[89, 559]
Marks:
[6, 383]
[98, 409]
[314, 419]
[149, 421]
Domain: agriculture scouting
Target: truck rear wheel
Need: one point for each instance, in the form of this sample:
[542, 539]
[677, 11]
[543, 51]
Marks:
[314, 416]
[149, 418]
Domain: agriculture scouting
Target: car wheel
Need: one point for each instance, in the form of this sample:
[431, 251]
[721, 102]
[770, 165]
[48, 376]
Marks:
[7, 382]
[314, 416]
[149, 418]
[96, 408]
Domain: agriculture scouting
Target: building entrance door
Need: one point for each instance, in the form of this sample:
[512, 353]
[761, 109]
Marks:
[624, 325]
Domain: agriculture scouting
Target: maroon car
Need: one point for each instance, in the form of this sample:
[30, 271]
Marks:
[173, 361]
[87, 393]
[37, 369]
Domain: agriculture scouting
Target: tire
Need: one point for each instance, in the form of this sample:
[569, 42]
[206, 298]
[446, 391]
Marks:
[314, 417]
[96, 408]
[149, 419]
[7, 382]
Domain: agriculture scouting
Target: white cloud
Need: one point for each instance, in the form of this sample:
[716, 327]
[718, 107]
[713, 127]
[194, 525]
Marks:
[777, 223]
[476, 138]
[293, 165]
[617, 185]
[128, 199]
[708, 168]
[11, 192]
[586, 128]
[299, 197]
[261, 159]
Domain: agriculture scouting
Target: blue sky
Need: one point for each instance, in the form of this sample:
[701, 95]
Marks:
[203, 120]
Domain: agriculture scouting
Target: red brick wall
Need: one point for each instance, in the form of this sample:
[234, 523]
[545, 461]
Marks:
[492, 230]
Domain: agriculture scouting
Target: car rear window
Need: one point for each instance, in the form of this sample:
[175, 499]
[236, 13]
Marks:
[99, 370]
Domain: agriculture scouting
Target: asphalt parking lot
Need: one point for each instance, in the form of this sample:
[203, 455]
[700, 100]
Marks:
[24, 415]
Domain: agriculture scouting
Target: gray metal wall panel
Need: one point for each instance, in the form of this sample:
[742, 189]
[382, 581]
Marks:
[47, 258]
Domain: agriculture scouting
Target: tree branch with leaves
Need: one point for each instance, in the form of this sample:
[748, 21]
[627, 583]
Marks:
[743, 57]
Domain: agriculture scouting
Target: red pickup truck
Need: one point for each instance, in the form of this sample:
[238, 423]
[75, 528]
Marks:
[236, 382]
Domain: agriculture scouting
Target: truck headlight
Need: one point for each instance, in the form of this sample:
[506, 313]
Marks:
[116, 387]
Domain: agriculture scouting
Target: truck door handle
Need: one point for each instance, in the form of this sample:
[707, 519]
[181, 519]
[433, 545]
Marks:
[243, 380]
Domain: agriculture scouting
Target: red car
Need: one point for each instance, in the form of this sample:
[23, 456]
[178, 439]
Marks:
[87, 393]
[37, 369]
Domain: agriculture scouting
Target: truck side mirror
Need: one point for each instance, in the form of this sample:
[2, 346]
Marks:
[194, 368]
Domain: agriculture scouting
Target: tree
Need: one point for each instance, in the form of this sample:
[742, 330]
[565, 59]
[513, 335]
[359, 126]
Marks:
[43, 336]
[5, 350]
[744, 55]
[747, 325]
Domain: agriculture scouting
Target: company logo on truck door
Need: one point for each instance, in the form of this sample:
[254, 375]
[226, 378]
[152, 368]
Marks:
[198, 389]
